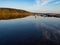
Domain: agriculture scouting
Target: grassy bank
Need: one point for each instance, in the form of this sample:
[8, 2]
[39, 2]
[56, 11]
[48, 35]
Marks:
[9, 13]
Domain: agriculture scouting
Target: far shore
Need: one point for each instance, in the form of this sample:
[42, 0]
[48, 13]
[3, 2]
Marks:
[9, 13]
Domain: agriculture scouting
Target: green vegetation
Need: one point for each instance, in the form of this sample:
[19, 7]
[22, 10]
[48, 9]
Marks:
[9, 13]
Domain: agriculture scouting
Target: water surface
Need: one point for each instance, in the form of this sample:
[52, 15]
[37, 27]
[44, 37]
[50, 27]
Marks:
[30, 30]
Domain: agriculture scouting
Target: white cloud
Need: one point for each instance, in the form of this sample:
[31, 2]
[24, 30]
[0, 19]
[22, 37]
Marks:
[37, 2]
[42, 2]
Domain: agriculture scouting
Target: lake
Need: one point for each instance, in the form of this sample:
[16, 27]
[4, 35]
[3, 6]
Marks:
[31, 30]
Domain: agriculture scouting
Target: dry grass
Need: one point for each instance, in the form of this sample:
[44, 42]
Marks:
[8, 13]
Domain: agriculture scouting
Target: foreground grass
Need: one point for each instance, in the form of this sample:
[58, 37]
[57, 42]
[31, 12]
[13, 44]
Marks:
[9, 13]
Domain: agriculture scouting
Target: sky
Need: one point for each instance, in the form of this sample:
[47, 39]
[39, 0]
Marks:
[45, 6]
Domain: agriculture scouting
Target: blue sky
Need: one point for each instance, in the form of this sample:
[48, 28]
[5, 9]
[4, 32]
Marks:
[33, 5]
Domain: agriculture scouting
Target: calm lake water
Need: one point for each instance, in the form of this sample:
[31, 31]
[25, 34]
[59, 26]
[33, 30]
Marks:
[30, 30]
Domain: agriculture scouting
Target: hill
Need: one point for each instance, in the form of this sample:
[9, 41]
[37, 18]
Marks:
[10, 13]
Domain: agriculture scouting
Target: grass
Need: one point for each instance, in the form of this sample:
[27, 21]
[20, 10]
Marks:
[9, 13]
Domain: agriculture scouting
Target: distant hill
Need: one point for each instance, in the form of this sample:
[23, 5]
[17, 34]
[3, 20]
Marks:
[48, 14]
[8, 13]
